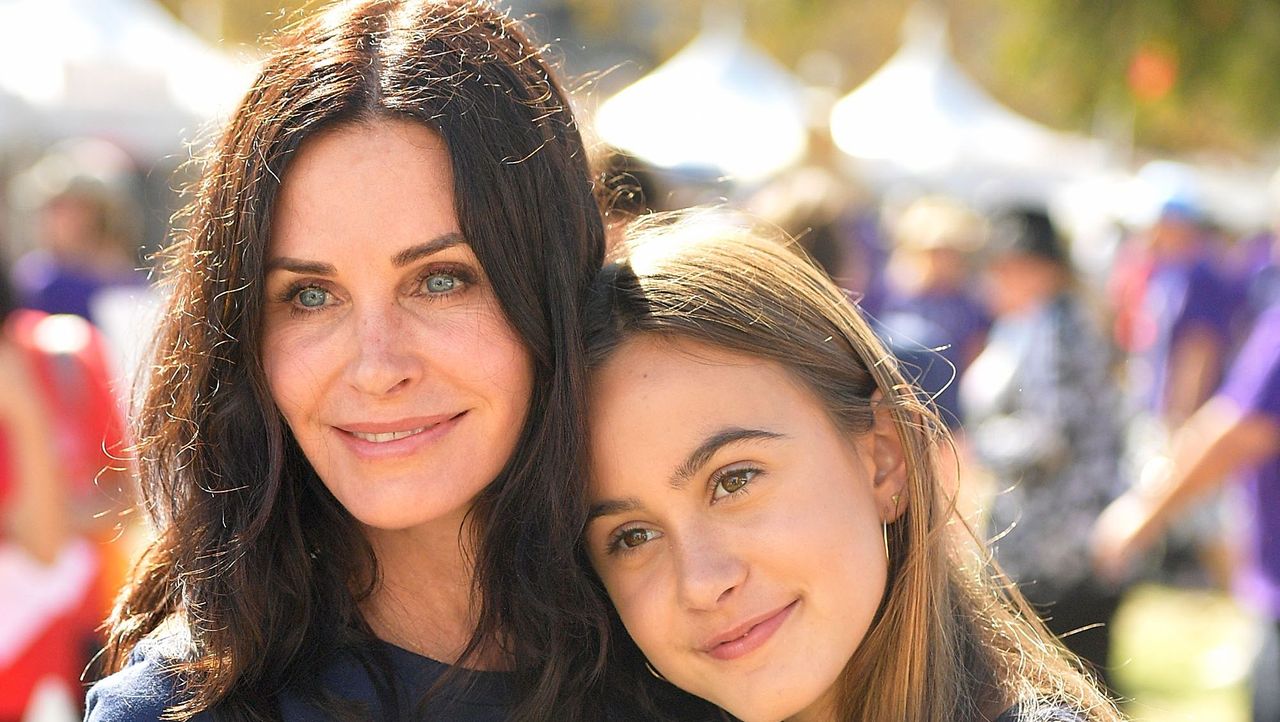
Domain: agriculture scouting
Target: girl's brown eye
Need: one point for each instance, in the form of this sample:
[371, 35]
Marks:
[633, 538]
[731, 482]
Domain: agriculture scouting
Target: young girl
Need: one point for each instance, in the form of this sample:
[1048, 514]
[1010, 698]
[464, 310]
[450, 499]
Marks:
[767, 514]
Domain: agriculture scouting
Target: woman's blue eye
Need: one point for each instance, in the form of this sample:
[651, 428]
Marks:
[313, 297]
[732, 482]
[441, 283]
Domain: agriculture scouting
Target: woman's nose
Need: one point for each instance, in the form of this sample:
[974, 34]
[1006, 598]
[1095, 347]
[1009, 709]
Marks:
[386, 357]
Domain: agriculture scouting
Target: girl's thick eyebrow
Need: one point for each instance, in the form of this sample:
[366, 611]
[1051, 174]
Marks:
[711, 445]
[688, 467]
[612, 506]
[400, 260]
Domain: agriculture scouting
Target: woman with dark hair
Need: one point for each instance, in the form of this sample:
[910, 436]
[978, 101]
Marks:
[360, 437]
[767, 510]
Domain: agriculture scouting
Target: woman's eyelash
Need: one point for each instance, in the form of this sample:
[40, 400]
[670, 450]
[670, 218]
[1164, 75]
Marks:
[289, 295]
[465, 276]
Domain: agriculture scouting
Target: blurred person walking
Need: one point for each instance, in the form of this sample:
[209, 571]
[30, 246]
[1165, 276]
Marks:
[1187, 306]
[1235, 433]
[1181, 309]
[1040, 409]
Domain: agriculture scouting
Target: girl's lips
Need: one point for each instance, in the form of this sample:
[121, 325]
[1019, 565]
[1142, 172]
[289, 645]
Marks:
[749, 636]
[400, 438]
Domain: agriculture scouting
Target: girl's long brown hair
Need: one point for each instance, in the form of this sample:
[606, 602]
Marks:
[952, 641]
[256, 564]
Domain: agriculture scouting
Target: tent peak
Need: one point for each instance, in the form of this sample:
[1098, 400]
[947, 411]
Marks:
[925, 28]
[724, 19]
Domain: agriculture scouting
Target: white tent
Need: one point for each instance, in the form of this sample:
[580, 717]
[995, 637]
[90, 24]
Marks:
[124, 70]
[719, 103]
[920, 119]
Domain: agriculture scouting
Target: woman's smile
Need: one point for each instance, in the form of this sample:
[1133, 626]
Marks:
[398, 438]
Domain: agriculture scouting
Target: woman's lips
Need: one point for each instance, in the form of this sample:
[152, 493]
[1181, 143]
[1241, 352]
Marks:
[749, 636]
[382, 440]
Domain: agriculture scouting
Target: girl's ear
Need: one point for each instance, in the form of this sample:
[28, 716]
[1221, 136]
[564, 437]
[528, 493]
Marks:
[889, 462]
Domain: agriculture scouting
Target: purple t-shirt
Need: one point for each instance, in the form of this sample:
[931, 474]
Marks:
[1254, 385]
[935, 334]
[46, 284]
[1179, 297]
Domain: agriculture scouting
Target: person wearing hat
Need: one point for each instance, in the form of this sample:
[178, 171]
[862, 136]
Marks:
[931, 319]
[1040, 411]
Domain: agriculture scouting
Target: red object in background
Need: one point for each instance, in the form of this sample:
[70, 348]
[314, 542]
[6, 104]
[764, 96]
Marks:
[66, 356]
[1153, 72]
[1133, 328]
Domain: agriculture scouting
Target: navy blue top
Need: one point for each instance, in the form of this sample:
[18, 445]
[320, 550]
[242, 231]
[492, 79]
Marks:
[144, 689]
[1018, 713]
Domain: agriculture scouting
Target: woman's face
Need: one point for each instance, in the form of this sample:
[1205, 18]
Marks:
[384, 345]
[735, 526]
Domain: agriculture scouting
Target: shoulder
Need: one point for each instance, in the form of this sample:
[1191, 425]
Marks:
[1041, 712]
[140, 692]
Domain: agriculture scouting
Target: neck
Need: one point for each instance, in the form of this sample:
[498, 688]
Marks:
[823, 709]
[425, 601]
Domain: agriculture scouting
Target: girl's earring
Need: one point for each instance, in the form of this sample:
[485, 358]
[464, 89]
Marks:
[884, 527]
[653, 671]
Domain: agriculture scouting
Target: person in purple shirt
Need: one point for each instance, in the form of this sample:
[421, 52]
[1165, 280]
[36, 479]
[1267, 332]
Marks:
[1189, 306]
[1235, 432]
[89, 228]
[931, 319]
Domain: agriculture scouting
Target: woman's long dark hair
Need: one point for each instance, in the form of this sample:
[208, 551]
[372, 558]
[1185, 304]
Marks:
[254, 559]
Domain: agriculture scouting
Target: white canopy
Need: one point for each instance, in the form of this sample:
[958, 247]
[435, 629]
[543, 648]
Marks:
[718, 103]
[921, 118]
[121, 69]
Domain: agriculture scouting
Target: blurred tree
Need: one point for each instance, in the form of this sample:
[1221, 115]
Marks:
[236, 22]
[1169, 74]
[1186, 73]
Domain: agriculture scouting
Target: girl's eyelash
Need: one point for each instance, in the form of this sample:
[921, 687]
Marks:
[713, 483]
[615, 545]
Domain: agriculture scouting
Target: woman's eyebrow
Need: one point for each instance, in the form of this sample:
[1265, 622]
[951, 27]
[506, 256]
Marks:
[400, 260]
[421, 250]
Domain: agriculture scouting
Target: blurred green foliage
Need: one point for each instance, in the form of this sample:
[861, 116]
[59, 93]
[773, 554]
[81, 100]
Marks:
[1071, 59]
[1066, 63]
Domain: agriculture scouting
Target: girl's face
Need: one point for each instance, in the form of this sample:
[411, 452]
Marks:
[736, 527]
[384, 345]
